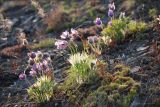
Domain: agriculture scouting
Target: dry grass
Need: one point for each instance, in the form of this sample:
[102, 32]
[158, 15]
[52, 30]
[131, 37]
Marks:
[13, 51]
[55, 19]
[47, 43]
[91, 31]
[94, 2]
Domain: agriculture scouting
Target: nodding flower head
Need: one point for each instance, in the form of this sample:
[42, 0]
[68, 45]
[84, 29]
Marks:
[32, 55]
[110, 13]
[33, 73]
[34, 67]
[31, 62]
[98, 21]
[46, 55]
[22, 76]
[44, 67]
[64, 35]
[112, 6]
[61, 44]
[93, 39]
[110, 23]
[74, 34]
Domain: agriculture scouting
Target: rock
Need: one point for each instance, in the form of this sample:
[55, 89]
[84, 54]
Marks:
[135, 69]
[28, 20]
[142, 48]
[136, 102]
[15, 21]
[7, 78]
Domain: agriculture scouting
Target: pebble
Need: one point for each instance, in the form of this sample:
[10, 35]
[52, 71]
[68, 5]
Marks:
[135, 69]
[142, 48]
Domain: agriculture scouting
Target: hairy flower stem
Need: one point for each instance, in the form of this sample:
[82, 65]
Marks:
[73, 48]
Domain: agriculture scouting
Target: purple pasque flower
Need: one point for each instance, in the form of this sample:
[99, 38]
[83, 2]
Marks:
[32, 55]
[93, 39]
[22, 76]
[74, 34]
[112, 6]
[46, 57]
[98, 21]
[44, 67]
[45, 62]
[61, 44]
[110, 13]
[33, 73]
[64, 35]
[35, 67]
[31, 62]
[39, 66]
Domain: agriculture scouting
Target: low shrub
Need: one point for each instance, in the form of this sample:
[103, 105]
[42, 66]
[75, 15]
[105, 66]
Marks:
[118, 92]
[116, 31]
[55, 19]
[122, 28]
[153, 12]
[134, 27]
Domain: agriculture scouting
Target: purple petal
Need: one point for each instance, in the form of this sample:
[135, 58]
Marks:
[33, 73]
[110, 13]
[32, 55]
[22, 76]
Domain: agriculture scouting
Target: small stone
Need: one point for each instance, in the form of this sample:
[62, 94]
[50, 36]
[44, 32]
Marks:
[16, 106]
[35, 41]
[111, 62]
[135, 69]
[4, 39]
[142, 48]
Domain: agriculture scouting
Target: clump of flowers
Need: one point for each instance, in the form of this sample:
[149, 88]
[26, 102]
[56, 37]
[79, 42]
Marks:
[40, 68]
[74, 34]
[61, 44]
[98, 21]
[111, 9]
[39, 63]
[42, 89]
[65, 35]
